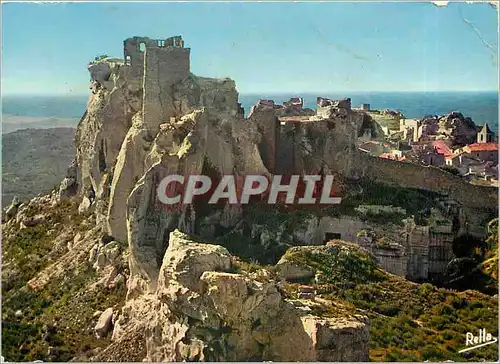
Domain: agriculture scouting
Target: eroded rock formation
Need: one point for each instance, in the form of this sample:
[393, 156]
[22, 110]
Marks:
[149, 117]
[203, 310]
[454, 126]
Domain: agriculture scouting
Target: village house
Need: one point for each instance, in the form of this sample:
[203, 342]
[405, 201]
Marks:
[482, 170]
[432, 158]
[435, 153]
[482, 151]
[395, 155]
[411, 130]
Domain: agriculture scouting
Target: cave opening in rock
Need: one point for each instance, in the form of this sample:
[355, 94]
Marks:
[332, 236]
[200, 202]
[102, 158]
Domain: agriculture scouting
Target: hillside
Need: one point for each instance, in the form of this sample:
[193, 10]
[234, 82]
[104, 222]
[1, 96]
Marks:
[11, 123]
[408, 321]
[105, 267]
[34, 161]
[61, 274]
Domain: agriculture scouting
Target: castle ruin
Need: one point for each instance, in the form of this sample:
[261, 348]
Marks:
[149, 117]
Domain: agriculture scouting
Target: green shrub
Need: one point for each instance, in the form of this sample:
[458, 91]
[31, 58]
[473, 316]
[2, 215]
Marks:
[432, 352]
[388, 310]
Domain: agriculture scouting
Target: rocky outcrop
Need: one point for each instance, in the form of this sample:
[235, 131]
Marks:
[150, 117]
[455, 127]
[143, 144]
[198, 143]
[291, 271]
[12, 209]
[116, 97]
[104, 323]
[69, 185]
[203, 310]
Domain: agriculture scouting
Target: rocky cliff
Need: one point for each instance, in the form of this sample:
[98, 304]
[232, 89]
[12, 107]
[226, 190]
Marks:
[147, 121]
[149, 117]
[454, 126]
[207, 309]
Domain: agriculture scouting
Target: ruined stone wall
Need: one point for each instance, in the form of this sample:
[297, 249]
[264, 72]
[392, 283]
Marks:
[163, 67]
[268, 125]
[318, 229]
[133, 55]
[394, 261]
[430, 178]
[417, 248]
[286, 153]
[346, 226]
[440, 253]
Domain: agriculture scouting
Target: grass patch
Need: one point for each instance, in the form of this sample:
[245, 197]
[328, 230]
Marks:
[415, 202]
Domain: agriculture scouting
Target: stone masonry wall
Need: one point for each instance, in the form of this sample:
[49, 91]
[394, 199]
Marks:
[417, 249]
[268, 125]
[164, 67]
[392, 260]
[440, 253]
[415, 176]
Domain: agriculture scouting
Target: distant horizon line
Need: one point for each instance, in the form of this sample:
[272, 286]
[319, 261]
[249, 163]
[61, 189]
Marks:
[298, 93]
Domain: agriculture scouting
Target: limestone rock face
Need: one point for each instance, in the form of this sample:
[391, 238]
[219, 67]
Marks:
[128, 169]
[69, 185]
[12, 209]
[334, 339]
[183, 265]
[214, 125]
[100, 72]
[291, 271]
[454, 126]
[198, 143]
[203, 311]
[116, 97]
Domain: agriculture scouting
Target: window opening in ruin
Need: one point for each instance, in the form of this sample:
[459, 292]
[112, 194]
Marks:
[127, 60]
[332, 236]
[142, 47]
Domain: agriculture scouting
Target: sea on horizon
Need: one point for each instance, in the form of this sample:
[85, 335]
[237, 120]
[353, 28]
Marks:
[480, 106]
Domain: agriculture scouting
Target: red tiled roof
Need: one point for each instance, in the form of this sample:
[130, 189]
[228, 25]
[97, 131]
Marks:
[392, 157]
[442, 148]
[482, 147]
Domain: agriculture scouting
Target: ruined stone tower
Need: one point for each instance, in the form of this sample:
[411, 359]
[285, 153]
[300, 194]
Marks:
[160, 64]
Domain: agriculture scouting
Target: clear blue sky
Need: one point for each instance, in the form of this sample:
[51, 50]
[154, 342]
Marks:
[264, 47]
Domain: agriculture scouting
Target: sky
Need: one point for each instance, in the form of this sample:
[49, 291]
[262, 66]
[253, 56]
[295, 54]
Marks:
[264, 47]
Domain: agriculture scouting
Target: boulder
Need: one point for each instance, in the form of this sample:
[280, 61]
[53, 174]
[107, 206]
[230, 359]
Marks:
[104, 323]
[455, 127]
[69, 185]
[84, 205]
[207, 312]
[99, 72]
[291, 271]
[12, 209]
